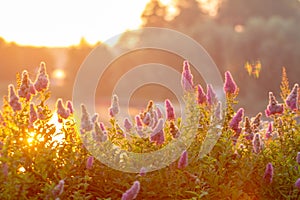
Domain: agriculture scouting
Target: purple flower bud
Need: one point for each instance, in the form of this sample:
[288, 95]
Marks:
[138, 121]
[102, 126]
[159, 113]
[114, 109]
[292, 100]
[42, 80]
[297, 184]
[157, 135]
[89, 162]
[32, 114]
[298, 158]
[61, 110]
[269, 131]
[174, 130]
[237, 118]
[183, 160]
[147, 119]
[99, 133]
[127, 124]
[201, 96]
[26, 87]
[132, 192]
[230, 86]
[70, 107]
[274, 107]
[14, 99]
[86, 124]
[187, 78]
[211, 95]
[143, 171]
[257, 143]
[268, 176]
[59, 188]
[154, 119]
[170, 113]
[95, 118]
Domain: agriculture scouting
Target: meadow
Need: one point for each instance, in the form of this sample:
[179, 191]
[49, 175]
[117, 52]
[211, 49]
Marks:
[43, 152]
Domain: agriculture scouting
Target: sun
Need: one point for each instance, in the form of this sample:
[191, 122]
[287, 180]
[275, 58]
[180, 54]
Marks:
[32, 138]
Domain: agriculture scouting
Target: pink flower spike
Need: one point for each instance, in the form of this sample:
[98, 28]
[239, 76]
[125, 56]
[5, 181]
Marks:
[147, 119]
[274, 107]
[170, 113]
[59, 188]
[26, 87]
[132, 192]
[292, 100]
[211, 95]
[95, 118]
[237, 118]
[102, 126]
[297, 184]
[230, 86]
[143, 171]
[61, 110]
[127, 124]
[269, 131]
[14, 99]
[86, 123]
[201, 98]
[99, 134]
[298, 158]
[183, 160]
[138, 121]
[32, 114]
[268, 176]
[42, 80]
[157, 135]
[114, 109]
[257, 143]
[89, 162]
[187, 78]
[70, 107]
[159, 113]
[154, 119]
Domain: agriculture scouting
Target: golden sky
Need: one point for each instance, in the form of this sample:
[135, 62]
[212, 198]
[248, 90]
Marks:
[64, 22]
[57, 23]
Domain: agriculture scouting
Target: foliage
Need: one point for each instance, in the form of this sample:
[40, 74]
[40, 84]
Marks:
[46, 159]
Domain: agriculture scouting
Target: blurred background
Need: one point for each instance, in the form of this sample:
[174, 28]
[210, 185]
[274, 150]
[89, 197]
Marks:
[253, 39]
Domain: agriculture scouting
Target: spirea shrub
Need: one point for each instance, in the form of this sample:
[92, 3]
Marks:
[43, 154]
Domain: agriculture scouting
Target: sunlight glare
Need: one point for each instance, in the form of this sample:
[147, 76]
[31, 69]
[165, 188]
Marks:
[59, 137]
[59, 74]
[21, 169]
[63, 23]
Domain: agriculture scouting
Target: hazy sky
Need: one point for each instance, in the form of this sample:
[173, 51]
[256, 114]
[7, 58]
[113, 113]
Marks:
[64, 22]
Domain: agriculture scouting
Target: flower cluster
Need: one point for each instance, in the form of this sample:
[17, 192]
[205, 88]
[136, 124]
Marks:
[26, 88]
[274, 107]
[132, 192]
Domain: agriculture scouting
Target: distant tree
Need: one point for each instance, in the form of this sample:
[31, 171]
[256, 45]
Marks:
[154, 14]
[238, 12]
[189, 13]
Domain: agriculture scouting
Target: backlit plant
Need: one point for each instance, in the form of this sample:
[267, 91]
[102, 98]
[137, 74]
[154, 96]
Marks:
[43, 154]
